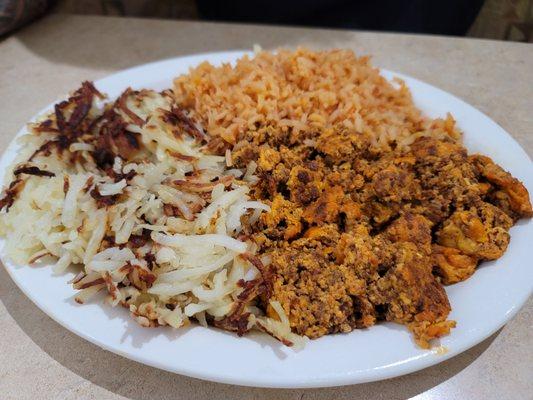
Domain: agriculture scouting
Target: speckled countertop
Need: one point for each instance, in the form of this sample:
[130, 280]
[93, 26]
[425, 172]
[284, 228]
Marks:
[41, 360]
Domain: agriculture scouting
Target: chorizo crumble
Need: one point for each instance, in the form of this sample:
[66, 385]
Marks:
[359, 235]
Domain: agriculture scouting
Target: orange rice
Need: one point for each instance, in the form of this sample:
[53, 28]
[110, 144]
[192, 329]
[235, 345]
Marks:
[304, 90]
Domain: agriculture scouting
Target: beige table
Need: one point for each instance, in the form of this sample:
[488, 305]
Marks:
[41, 360]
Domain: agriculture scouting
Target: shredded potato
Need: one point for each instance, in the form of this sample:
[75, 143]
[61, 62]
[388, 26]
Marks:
[127, 192]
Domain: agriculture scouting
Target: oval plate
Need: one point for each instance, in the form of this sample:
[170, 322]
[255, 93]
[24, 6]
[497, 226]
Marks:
[480, 305]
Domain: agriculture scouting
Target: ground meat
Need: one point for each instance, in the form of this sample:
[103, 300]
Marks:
[481, 231]
[304, 185]
[509, 194]
[320, 285]
[326, 208]
[339, 146]
[411, 294]
[357, 235]
[451, 265]
[284, 220]
[412, 228]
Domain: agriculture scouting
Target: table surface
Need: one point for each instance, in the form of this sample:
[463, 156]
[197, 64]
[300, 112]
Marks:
[41, 360]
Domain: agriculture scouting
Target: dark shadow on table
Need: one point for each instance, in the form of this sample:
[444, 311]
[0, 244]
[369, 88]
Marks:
[137, 381]
[71, 40]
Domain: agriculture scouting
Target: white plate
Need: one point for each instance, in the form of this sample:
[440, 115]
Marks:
[481, 305]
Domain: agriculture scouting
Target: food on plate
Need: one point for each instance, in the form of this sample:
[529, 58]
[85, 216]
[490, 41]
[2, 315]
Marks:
[296, 192]
[125, 191]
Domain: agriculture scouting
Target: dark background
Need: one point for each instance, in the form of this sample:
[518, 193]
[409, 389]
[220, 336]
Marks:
[450, 17]
[491, 19]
